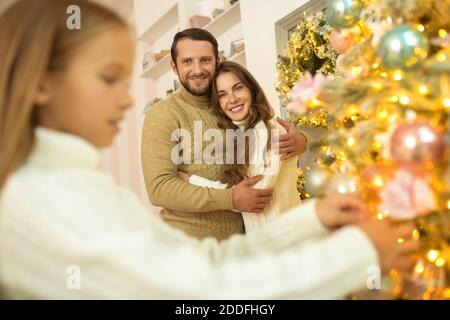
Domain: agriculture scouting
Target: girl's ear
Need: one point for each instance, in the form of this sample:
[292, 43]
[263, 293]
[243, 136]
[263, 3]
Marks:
[42, 94]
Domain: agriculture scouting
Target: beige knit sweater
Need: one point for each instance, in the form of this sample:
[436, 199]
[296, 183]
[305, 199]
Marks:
[200, 212]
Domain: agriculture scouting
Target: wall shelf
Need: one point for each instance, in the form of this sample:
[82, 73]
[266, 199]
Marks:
[158, 69]
[238, 58]
[160, 32]
[166, 22]
[225, 20]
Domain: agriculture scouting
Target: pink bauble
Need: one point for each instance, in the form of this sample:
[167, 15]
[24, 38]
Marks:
[339, 42]
[415, 144]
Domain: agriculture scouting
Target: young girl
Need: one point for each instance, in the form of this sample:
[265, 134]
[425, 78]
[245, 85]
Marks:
[240, 104]
[68, 231]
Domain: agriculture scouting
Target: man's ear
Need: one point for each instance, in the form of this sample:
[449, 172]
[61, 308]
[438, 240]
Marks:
[42, 94]
[174, 67]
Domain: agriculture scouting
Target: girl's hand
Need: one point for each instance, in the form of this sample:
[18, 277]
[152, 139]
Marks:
[184, 176]
[393, 254]
[337, 210]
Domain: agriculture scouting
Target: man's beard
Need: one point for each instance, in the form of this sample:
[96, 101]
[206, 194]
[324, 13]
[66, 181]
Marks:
[197, 91]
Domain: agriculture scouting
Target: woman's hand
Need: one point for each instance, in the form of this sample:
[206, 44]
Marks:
[184, 176]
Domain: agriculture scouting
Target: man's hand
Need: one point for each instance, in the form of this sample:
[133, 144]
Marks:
[183, 176]
[394, 244]
[337, 210]
[292, 143]
[246, 199]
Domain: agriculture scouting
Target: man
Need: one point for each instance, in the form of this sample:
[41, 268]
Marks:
[200, 212]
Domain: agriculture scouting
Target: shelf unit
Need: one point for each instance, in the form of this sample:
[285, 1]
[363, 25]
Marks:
[158, 69]
[163, 25]
[238, 58]
[225, 20]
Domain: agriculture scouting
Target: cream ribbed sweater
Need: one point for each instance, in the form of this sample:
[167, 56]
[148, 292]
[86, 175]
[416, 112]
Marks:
[200, 212]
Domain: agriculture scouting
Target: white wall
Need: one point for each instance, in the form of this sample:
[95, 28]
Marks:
[123, 7]
[258, 23]
[147, 12]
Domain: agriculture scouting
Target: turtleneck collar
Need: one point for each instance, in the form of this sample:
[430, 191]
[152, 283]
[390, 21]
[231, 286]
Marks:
[240, 123]
[198, 101]
[56, 149]
[258, 126]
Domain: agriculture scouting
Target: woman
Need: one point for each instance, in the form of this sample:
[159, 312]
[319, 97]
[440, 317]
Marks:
[240, 104]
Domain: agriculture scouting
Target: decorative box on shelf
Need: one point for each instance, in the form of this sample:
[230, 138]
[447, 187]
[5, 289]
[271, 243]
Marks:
[217, 12]
[222, 56]
[198, 21]
[150, 59]
[237, 46]
[161, 54]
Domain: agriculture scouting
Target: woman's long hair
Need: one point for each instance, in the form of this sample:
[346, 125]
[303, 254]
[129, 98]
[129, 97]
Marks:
[34, 41]
[260, 110]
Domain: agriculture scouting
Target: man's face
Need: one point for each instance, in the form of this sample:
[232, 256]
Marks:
[195, 65]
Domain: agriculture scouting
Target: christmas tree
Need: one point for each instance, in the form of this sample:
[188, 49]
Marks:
[308, 52]
[384, 121]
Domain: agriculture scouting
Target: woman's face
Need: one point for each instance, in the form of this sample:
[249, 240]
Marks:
[90, 96]
[235, 99]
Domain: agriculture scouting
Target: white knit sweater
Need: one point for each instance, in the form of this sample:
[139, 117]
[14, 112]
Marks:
[61, 218]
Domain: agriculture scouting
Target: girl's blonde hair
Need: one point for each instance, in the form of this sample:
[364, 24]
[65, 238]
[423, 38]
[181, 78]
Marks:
[35, 39]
